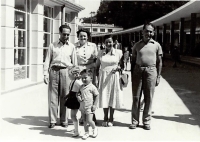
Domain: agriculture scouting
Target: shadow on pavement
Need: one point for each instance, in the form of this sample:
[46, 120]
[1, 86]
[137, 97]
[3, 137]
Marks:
[29, 120]
[185, 80]
[116, 124]
[187, 119]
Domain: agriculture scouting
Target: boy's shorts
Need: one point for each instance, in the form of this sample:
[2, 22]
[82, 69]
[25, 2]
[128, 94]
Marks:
[85, 109]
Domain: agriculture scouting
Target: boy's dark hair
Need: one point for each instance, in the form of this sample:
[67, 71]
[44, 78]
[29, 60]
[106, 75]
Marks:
[107, 36]
[148, 23]
[87, 72]
[83, 30]
[64, 26]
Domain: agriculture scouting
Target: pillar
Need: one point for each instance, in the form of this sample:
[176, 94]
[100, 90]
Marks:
[74, 26]
[172, 35]
[37, 38]
[7, 44]
[192, 33]
[164, 37]
[181, 35]
[157, 33]
[57, 22]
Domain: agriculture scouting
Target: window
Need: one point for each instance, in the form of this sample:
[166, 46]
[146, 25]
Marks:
[21, 40]
[102, 30]
[94, 29]
[48, 29]
[109, 30]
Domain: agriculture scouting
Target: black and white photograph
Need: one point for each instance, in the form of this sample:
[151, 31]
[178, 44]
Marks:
[99, 70]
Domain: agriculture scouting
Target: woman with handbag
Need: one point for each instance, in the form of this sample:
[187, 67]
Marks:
[110, 64]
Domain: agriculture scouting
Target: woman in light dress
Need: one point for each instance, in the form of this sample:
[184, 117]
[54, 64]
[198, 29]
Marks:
[109, 65]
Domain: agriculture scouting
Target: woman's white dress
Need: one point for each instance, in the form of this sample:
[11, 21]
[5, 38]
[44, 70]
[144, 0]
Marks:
[110, 89]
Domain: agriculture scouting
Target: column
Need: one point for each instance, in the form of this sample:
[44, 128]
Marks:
[192, 33]
[7, 44]
[134, 36]
[37, 40]
[74, 26]
[57, 22]
[164, 37]
[157, 33]
[172, 35]
[181, 34]
[63, 14]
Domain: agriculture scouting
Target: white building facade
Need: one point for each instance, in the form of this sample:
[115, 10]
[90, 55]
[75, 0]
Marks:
[27, 29]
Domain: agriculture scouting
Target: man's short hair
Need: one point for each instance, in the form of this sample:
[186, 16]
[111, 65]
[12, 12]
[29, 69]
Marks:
[107, 36]
[64, 26]
[148, 23]
[87, 72]
[83, 30]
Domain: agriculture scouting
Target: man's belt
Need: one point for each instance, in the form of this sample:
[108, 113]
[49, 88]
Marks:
[57, 67]
[145, 66]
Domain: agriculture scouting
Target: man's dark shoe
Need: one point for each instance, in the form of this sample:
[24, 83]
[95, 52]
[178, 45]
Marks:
[132, 126]
[52, 125]
[64, 125]
[147, 127]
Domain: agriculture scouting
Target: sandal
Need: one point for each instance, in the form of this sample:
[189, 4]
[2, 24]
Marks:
[105, 124]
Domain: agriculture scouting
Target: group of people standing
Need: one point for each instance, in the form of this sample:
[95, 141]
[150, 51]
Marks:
[94, 76]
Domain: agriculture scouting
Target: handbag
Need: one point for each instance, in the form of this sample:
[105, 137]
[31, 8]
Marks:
[71, 100]
[124, 79]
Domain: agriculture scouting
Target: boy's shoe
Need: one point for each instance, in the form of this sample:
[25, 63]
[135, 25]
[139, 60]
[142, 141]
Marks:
[132, 126]
[76, 134]
[64, 125]
[85, 136]
[95, 132]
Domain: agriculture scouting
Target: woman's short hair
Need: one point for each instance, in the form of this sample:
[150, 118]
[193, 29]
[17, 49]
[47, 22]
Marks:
[64, 26]
[83, 30]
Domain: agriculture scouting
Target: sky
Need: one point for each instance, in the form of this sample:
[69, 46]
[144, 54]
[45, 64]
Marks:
[89, 5]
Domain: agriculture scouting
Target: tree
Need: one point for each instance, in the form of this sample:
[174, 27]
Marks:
[128, 14]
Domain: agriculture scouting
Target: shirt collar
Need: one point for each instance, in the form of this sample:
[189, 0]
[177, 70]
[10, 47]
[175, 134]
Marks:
[79, 45]
[67, 43]
[150, 41]
[113, 51]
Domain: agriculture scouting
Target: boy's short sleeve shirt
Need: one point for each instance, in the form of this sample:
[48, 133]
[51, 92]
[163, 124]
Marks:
[87, 93]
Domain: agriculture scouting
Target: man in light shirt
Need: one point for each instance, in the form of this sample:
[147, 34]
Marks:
[60, 56]
[146, 71]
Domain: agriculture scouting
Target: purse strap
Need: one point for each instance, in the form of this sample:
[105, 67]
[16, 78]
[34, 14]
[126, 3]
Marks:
[72, 85]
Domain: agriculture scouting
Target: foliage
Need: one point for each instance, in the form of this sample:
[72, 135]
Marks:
[128, 14]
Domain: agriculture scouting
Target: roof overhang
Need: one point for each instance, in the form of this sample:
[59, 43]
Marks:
[70, 6]
[184, 11]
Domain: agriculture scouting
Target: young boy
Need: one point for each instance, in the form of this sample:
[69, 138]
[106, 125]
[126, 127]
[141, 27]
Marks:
[88, 98]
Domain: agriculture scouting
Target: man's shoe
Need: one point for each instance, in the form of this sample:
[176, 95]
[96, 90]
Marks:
[64, 125]
[147, 127]
[52, 125]
[132, 126]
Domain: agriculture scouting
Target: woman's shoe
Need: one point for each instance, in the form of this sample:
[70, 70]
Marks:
[110, 124]
[105, 124]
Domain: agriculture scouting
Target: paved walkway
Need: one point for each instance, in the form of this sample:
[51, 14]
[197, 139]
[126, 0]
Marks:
[176, 113]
